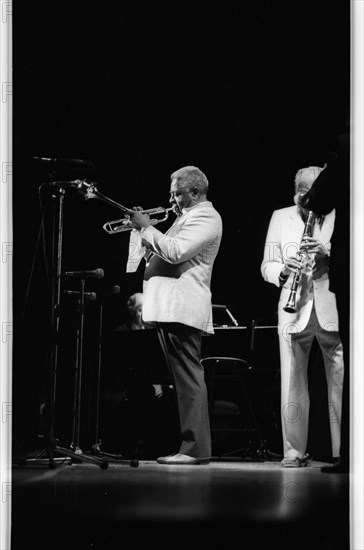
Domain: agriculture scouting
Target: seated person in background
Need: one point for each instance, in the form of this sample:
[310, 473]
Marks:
[135, 305]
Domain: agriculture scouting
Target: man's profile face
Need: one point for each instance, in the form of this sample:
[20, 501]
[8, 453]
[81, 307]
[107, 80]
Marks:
[180, 197]
[301, 189]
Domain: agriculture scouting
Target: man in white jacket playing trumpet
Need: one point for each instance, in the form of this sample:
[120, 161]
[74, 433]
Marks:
[177, 298]
[315, 316]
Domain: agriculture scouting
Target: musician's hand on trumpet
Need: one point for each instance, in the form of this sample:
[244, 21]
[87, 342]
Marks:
[137, 219]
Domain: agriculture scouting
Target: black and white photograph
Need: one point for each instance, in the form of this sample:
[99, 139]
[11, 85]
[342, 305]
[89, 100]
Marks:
[182, 289]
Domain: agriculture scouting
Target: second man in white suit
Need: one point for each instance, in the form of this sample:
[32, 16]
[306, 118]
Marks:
[316, 316]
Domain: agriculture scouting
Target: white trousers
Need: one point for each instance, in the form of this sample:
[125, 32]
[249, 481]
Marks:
[295, 400]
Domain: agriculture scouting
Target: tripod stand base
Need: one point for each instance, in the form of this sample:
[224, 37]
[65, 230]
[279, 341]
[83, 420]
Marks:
[46, 458]
[81, 457]
[254, 450]
[24, 462]
[96, 451]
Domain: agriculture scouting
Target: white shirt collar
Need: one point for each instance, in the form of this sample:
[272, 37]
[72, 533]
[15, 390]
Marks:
[185, 210]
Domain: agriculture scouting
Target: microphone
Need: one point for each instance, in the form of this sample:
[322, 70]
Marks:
[96, 273]
[115, 290]
[88, 295]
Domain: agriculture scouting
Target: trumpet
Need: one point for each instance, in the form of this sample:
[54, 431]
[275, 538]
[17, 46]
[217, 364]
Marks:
[290, 306]
[124, 224]
[90, 191]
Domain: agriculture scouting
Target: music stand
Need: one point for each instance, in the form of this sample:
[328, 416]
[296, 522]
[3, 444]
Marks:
[219, 312]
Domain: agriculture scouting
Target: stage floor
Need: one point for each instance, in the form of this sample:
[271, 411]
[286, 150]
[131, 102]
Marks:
[228, 503]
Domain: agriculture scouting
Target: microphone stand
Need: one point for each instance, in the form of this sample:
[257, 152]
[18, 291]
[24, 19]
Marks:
[51, 441]
[96, 447]
[75, 445]
[75, 453]
[57, 240]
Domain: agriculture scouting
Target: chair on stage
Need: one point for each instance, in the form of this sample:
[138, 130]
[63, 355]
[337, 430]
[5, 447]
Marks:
[234, 426]
[232, 416]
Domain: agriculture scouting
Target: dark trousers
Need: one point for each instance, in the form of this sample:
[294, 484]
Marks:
[182, 349]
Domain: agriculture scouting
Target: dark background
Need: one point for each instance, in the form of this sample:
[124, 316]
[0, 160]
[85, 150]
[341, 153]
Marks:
[248, 92]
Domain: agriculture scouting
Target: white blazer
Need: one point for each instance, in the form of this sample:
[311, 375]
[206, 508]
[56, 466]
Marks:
[177, 276]
[283, 238]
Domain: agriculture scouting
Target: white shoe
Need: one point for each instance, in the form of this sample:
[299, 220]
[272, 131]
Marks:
[179, 458]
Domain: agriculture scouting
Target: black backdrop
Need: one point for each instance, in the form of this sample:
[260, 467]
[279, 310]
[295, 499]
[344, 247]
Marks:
[248, 92]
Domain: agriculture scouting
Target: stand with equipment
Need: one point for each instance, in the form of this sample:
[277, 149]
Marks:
[96, 447]
[51, 446]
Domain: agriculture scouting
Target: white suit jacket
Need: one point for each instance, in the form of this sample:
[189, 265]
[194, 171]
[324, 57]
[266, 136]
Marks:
[177, 276]
[283, 238]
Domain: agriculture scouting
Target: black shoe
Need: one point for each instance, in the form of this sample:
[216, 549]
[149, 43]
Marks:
[341, 467]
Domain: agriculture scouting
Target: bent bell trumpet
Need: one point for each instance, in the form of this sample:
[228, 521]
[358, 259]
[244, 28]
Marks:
[89, 191]
[124, 224]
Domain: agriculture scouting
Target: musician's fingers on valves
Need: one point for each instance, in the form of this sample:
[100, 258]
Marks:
[138, 218]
